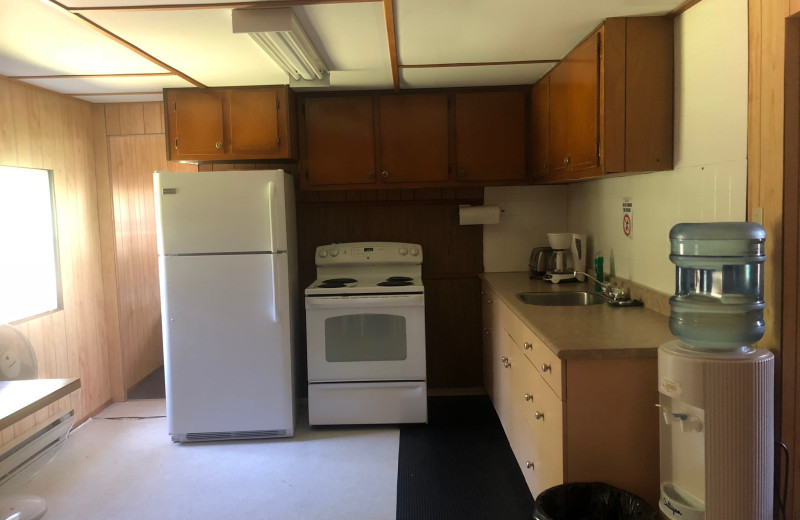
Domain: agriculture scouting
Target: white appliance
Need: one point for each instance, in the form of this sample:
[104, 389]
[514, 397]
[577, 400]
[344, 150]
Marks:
[365, 325]
[568, 259]
[716, 390]
[228, 271]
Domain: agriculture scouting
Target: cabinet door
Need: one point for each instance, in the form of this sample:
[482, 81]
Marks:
[490, 136]
[413, 138]
[257, 122]
[540, 117]
[583, 105]
[558, 135]
[197, 125]
[340, 141]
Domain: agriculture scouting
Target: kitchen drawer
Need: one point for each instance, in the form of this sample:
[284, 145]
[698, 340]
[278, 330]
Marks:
[547, 365]
[537, 443]
[546, 362]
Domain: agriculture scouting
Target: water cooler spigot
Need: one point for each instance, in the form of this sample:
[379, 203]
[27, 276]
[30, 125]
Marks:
[689, 423]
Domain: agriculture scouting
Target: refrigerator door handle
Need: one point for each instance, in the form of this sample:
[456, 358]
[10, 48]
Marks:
[271, 201]
[275, 280]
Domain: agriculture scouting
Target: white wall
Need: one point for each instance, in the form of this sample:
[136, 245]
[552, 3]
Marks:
[529, 213]
[710, 177]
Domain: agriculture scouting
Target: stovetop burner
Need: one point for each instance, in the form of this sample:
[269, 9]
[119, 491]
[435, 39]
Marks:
[396, 281]
[336, 283]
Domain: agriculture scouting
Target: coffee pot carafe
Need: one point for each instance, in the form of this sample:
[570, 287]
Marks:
[567, 258]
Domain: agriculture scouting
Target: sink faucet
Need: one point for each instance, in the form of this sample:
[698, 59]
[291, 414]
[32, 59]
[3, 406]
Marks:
[615, 294]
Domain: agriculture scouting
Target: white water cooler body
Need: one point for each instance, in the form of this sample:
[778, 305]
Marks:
[717, 433]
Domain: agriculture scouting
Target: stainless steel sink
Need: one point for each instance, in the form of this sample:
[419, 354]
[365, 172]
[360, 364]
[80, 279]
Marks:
[561, 298]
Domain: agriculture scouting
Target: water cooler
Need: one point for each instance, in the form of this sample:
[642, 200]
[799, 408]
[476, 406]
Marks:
[716, 392]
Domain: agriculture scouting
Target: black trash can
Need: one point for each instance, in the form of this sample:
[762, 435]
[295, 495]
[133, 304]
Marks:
[591, 501]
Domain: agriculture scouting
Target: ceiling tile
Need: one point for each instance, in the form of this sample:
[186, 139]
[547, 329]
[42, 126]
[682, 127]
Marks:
[491, 75]
[38, 38]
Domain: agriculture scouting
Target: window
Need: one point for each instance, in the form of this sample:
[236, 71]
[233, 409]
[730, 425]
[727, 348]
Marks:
[29, 273]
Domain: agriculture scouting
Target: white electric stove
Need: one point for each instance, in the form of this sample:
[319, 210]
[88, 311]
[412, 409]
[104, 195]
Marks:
[365, 322]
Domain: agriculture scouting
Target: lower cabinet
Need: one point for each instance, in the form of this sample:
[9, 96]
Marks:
[571, 420]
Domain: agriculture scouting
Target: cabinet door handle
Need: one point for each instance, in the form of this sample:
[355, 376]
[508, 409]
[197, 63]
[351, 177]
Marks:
[539, 415]
[486, 331]
[528, 397]
[529, 464]
[385, 174]
[489, 301]
[218, 145]
[566, 160]
[546, 368]
[461, 174]
[527, 346]
[371, 175]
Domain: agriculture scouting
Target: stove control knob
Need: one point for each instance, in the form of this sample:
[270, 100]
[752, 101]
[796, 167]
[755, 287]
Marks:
[323, 253]
[403, 251]
[334, 252]
[414, 251]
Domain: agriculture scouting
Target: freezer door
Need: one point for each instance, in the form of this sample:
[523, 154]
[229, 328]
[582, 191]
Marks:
[220, 212]
[227, 343]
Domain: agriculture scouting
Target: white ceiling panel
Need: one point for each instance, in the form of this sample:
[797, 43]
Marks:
[348, 37]
[110, 85]
[198, 43]
[490, 75]
[37, 38]
[478, 31]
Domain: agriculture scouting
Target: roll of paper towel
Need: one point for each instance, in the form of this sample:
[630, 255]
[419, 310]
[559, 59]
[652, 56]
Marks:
[478, 215]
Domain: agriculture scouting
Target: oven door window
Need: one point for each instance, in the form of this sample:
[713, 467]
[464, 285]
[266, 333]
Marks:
[365, 337]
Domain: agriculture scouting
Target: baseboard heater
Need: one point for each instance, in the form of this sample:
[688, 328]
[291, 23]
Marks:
[29, 455]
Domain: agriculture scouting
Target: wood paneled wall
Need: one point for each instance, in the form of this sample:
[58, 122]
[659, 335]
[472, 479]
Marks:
[770, 140]
[41, 129]
[135, 149]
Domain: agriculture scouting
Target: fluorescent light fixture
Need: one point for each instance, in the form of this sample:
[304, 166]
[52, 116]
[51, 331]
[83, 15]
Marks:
[280, 35]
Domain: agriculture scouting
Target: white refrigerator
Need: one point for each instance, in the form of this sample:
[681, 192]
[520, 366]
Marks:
[228, 274]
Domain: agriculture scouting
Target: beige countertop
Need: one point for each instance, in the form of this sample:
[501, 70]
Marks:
[592, 331]
[18, 399]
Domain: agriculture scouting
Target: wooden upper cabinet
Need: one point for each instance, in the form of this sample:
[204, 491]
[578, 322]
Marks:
[256, 123]
[540, 118]
[413, 138]
[198, 126]
[611, 102]
[229, 123]
[339, 142]
[583, 105]
[490, 136]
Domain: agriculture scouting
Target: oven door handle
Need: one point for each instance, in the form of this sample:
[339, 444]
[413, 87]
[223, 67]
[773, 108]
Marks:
[342, 302]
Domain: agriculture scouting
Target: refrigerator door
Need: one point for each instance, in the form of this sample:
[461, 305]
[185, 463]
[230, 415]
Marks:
[220, 212]
[227, 344]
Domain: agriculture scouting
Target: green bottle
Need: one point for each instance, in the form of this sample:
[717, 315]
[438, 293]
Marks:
[598, 270]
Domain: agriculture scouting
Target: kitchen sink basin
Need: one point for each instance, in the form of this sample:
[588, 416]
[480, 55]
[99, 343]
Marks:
[557, 299]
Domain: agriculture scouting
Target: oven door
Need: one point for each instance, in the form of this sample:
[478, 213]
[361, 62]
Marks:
[366, 338]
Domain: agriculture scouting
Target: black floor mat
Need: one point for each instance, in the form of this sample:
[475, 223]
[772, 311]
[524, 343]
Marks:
[151, 387]
[459, 466]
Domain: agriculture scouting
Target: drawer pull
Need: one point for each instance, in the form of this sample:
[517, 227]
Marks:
[486, 331]
[528, 397]
[539, 415]
[527, 346]
[546, 368]
[529, 464]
